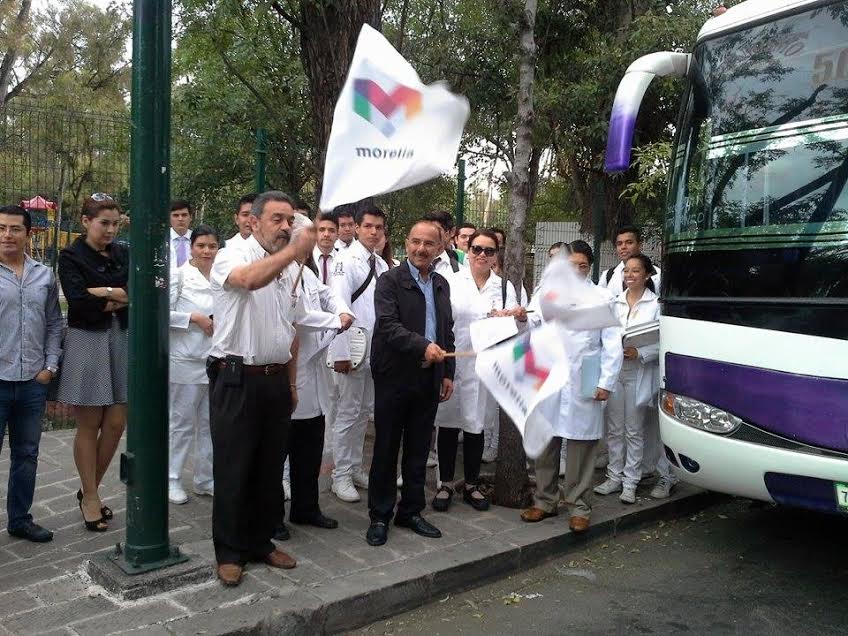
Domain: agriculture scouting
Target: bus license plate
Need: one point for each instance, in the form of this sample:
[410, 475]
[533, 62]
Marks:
[841, 496]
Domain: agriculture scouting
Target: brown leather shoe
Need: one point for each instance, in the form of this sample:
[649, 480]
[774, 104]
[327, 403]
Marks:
[578, 524]
[534, 514]
[230, 573]
[280, 559]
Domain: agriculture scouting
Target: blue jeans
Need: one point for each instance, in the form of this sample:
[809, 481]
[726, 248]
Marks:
[21, 407]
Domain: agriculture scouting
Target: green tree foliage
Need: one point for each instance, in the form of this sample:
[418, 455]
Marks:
[236, 69]
[64, 131]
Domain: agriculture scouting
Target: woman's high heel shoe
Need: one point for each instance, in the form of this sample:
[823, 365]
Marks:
[98, 525]
[106, 511]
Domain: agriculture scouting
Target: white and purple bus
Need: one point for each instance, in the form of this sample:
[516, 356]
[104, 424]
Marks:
[754, 328]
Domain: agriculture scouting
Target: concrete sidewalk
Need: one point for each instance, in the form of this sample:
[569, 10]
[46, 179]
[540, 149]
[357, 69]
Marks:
[340, 582]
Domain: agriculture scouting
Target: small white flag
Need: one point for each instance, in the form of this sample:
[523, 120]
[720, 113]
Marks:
[529, 377]
[390, 131]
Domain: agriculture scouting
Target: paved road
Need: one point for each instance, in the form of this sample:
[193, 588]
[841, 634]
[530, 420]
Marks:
[736, 568]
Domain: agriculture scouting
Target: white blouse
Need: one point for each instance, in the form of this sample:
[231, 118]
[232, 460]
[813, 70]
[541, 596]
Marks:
[190, 293]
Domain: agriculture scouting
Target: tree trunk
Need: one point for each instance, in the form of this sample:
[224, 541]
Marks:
[511, 474]
[10, 57]
[328, 33]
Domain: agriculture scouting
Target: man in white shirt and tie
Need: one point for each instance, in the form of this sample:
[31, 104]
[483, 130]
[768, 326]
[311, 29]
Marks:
[347, 228]
[242, 220]
[354, 279]
[446, 263]
[180, 240]
[324, 254]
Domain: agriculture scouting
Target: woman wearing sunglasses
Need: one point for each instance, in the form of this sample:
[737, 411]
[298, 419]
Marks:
[475, 294]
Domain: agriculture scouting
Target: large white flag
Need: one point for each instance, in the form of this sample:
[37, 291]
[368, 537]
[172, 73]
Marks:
[390, 131]
[527, 375]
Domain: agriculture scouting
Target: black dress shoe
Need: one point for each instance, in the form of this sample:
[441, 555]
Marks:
[32, 532]
[419, 525]
[378, 533]
[319, 521]
[281, 533]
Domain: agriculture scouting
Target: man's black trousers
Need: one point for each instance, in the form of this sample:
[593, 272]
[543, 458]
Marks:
[250, 427]
[403, 413]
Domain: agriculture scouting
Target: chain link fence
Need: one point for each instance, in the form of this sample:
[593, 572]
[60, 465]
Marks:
[51, 160]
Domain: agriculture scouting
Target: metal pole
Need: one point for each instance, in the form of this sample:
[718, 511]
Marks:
[261, 154]
[144, 467]
[459, 212]
[597, 227]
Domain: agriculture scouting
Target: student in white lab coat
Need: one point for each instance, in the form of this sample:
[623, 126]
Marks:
[322, 315]
[581, 420]
[190, 340]
[637, 384]
[475, 294]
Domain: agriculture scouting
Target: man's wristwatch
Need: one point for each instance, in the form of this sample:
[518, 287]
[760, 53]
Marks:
[53, 370]
[109, 291]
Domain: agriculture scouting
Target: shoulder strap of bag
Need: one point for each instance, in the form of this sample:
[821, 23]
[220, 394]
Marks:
[503, 292]
[367, 282]
[610, 272]
[454, 260]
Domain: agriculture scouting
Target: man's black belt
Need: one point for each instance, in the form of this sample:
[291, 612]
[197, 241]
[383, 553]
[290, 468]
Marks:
[257, 369]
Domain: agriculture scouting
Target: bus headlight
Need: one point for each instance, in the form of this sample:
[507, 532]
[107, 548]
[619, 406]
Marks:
[697, 414]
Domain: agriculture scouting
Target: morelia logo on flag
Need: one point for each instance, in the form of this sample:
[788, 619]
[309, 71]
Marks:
[382, 109]
[526, 367]
[390, 130]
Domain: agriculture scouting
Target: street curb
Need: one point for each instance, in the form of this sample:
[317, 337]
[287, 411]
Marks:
[361, 598]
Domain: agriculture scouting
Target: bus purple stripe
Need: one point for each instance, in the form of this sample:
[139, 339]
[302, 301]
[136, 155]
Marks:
[804, 408]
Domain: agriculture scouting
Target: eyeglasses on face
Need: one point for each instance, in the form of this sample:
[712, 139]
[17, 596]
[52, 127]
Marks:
[479, 249]
[101, 196]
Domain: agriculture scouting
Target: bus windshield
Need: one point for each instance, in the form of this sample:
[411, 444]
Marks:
[758, 192]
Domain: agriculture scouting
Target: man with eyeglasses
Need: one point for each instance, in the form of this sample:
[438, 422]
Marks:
[180, 241]
[29, 360]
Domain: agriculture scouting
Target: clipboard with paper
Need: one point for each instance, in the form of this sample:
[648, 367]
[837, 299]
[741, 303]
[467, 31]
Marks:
[642, 335]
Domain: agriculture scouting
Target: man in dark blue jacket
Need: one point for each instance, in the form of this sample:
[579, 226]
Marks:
[412, 374]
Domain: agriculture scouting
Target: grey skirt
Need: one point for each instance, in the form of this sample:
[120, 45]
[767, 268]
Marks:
[94, 367]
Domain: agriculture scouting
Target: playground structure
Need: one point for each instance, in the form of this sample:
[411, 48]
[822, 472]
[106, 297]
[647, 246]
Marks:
[48, 236]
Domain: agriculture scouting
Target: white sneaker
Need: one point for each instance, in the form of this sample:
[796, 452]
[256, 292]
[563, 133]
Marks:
[287, 490]
[345, 490]
[608, 487]
[204, 491]
[628, 495]
[663, 488]
[432, 460]
[360, 479]
[176, 494]
[490, 455]
[400, 482]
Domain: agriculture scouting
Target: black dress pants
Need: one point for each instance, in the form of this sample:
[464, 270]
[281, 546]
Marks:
[472, 454]
[250, 427]
[404, 412]
[306, 447]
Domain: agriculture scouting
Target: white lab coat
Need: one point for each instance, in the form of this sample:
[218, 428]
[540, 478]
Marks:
[471, 405]
[190, 292]
[316, 327]
[580, 418]
[647, 309]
